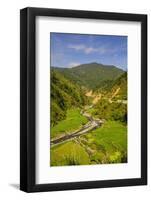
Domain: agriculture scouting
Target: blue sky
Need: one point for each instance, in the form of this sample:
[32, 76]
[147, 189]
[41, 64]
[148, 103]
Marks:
[69, 50]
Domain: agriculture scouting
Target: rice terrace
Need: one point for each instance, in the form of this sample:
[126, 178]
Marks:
[88, 103]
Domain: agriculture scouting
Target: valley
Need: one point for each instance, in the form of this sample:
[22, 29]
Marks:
[88, 115]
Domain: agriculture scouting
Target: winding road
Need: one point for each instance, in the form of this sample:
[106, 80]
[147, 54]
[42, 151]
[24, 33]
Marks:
[91, 125]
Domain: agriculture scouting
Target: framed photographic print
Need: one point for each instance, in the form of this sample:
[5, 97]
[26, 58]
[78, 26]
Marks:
[83, 95]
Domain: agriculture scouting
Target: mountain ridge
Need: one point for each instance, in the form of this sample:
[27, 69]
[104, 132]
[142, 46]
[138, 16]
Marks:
[91, 63]
[91, 75]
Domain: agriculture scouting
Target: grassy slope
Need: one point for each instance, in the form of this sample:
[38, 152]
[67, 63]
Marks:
[69, 153]
[112, 133]
[73, 121]
[110, 142]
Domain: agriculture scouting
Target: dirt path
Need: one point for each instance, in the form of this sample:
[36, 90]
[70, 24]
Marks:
[114, 94]
[96, 97]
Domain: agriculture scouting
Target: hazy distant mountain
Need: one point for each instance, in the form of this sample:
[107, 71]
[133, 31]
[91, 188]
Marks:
[92, 75]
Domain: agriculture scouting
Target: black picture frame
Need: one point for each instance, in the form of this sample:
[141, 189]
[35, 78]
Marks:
[28, 99]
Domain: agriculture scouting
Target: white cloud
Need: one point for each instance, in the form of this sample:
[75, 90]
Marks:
[73, 64]
[77, 47]
[88, 50]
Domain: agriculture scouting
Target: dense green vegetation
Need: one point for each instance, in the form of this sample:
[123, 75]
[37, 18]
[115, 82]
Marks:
[92, 75]
[73, 121]
[69, 153]
[121, 84]
[112, 105]
[110, 111]
[108, 142]
[64, 95]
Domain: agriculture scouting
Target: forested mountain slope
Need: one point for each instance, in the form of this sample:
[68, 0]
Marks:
[64, 95]
[92, 75]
